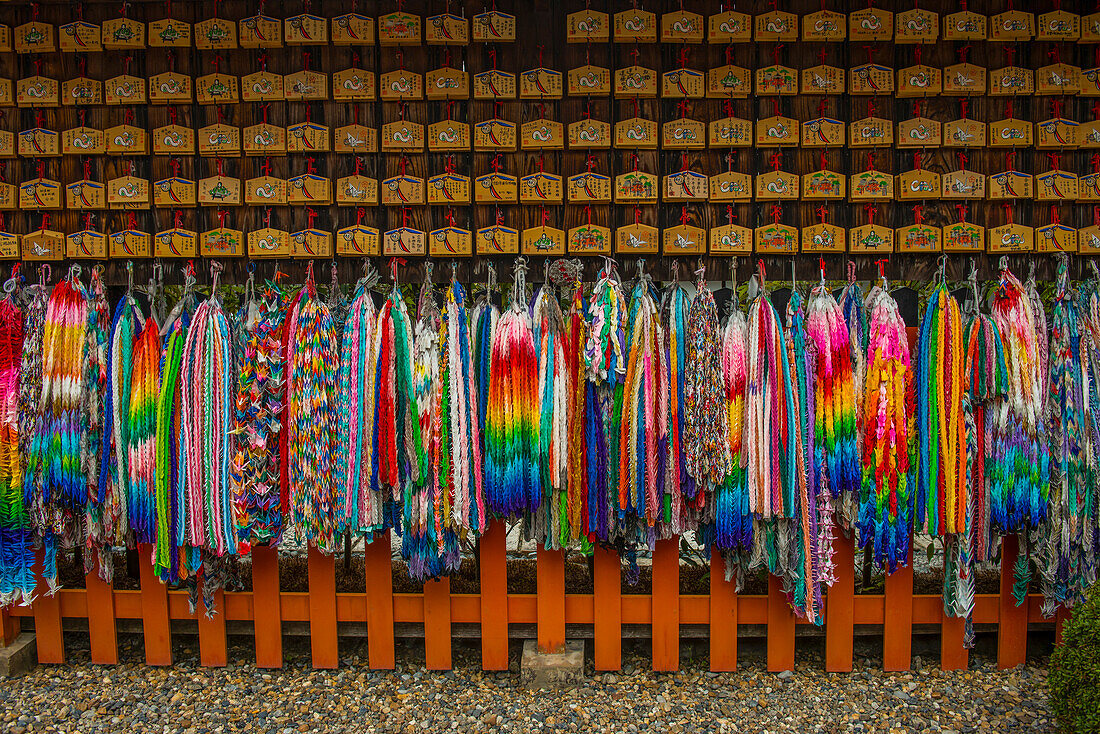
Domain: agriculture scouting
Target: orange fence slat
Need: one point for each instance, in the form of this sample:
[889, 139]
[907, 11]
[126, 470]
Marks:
[155, 625]
[437, 624]
[1012, 619]
[840, 608]
[607, 609]
[780, 628]
[494, 598]
[265, 595]
[47, 620]
[102, 634]
[897, 625]
[9, 627]
[723, 616]
[379, 583]
[953, 656]
[550, 575]
[666, 605]
[213, 649]
[322, 610]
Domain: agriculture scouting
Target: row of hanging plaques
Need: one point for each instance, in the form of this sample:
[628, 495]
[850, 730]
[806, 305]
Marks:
[360, 240]
[585, 26]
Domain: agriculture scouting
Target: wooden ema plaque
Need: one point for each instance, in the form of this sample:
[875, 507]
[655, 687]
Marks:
[496, 188]
[128, 192]
[355, 139]
[919, 238]
[217, 89]
[1058, 79]
[589, 239]
[265, 191]
[823, 132]
[358, 241]
[963, 237]
[1058, 25]
[965, 26]
[542, 134]
[683, 134]
[86, 195]
[309, 188]
[916, 26]
[264, 139]
[920, 132]
[917, 184]
[449, 189]
[447, 83]
[40, 194]
[635, 26]
[729, 27]
[39, 143]
[636, 132]
[126, 140]
[356, 190]
[305, 30]
[9, 196]
[776, 239]
[173, 140]
[168, 33]
[871, 79]
[402, 135]
[824, 25]
[7, 93]
[777, 186]
[1011, 185]
[729, 82]
[269, 242]
[175, 192]
[964, 80]
[1088, 241]
[776, 25]
[1011, 133]
[777, 132]
[219, 191]
[827, 80]
[871, 185]
[636, 239]
[493, 26]
[399, 29]
[307, 137]
[495, 84]
[402, 191]
[82, 37]
[685, 186]
[541, 188]
[353, 85]
[540, 83]
[81, 91]
[1056, 186]
[682, 27]
[1011, 238]
[542, 240]
[683, 84]
[1011, 81]
[222, 242]
[311, 243]
[1012, 25]
[683, 239]
[7, 144]
[262, 86]
[589, 81]
[130, 244]
[170, 88]
[871, 24]
[86, 244]
[823, 185]
[215, 34]
[776, 79]
[121, 34]
[635, 81]
[1051, 238]
[588, 26]
[963, 184]
[730, 187]
[306, 86]
[919, 81]
[497, 240]
[824, 237]
[589, 134]
[1056, 133]
[37, 91]
[219, 140]
[730, 132]
[870, 239]
[260, 31]
[352, 29]
[635, 187]
[495, 135]
[43, 245]
[871, 132]
[450, 242]
[730, 239]
[588, 188]
[1088, 187]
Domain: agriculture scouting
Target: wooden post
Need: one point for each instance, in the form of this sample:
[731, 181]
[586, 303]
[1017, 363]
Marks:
[607, 628]
[897, 626]
[213, 648]
[494, 597]
[102, 634]
[1061, 616]
[723, 617]
[154, 611]
[666, 605]
[780, 628]
[437, 624]
[550, 573]
[953, 656]
[379, 580]
[1012, 619]
[9, 627]
[840, 609]
[47, 620]
[267, 607]
[322, 609]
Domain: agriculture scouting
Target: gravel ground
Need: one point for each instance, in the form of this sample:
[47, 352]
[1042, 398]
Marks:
[187, 699]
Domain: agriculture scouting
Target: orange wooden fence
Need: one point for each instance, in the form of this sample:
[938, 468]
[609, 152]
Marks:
[896, 611]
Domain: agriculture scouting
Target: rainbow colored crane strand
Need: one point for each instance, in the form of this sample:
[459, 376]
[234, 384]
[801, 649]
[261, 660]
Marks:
[679, 485]
[114, 476]
[942, 498]
[886, 495]
[144, 390]
[316, 504]
[732, 512]
[553, 390]
[167, 561]
[1025, 453]
[16, 552]
[356, 410]
[576, 337]
[105, 514]
[513, 483]
[460, 385]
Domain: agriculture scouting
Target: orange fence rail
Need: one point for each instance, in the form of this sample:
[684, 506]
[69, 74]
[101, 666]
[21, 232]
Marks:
[664, 610]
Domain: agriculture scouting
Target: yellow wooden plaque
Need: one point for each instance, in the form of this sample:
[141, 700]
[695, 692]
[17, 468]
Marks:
[963, 237]
[729, 27]
[130, 244]
[311, 189]
[175, 192]
[86, 195]
[169, 33]
[449, 189]
[311, 243]
[589, 239]
[776, 239]
[919, 238]
[264, 139]
[824, 237]
[542, 240]
[260, 31]
[356, 190]
[358, 241]
[450, 242]
[222, 242]
[176, 243]
[215, 33]
[87, 244]
[269, 242]
[124, 90]
[495, 84]
[493, 26]
[870, 239]
[589, 133]
[496, 188]
[1011, 238]
[352, 29]
[355, 139]
[731, 239]
[447, 29]
[683, 239]
[636, 239]
[1052, 238]
[265, 191]
[497, 240]
[353, 85]
[262, 86]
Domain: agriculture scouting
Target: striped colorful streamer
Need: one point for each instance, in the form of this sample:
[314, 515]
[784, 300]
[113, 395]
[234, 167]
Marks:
[513, 483]
[554, 390]
[16, 552]
[144, 390]
[167, 561]
[886, 496]
[460, 386]
[105, 516]
[363, 509]
[706, 427]
[114, 479]
[732, 512]
[679, 485]
[576, 325]
[941, 500]
[316, 504]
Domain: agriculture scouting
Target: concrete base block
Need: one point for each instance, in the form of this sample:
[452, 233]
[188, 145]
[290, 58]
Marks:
[562, 669]
[20, 657]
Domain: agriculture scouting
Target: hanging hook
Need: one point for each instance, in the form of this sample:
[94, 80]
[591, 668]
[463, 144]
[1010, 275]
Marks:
[760, 274]
[454, 271]
[881, 271]
[852, 271]
[129, 277]
[519, 283]
[943, 269]
[215, 272]
[973, 278]
[821, 269]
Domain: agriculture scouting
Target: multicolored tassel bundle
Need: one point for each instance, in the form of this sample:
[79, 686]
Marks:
[167, 561]
[460, 386]
[356, 402]
[553, 390]
[105, 512]
[16, 553]
[732, 510]
[114, 477]
[886, 494]
[679, 485]
[315, 501]
[513, 481]
[144, 390]
[576, 337]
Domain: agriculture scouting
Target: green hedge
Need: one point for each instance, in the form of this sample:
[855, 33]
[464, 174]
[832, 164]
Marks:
[1075, 669]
